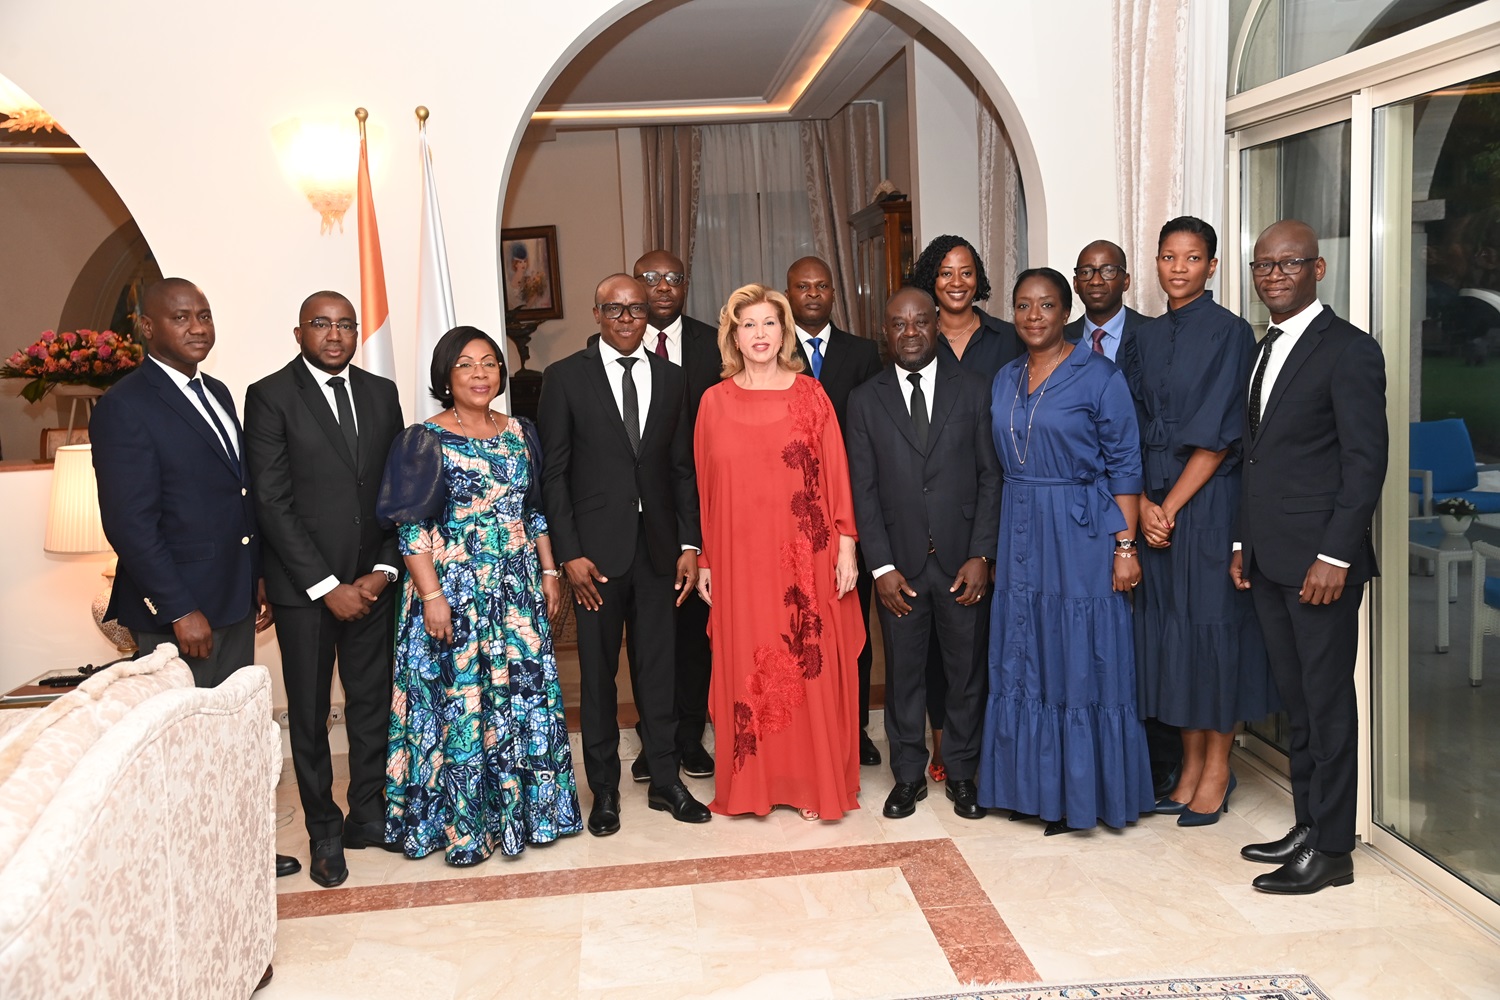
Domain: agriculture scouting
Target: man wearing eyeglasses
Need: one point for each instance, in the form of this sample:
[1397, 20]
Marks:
[317, 433]
[622, 507]
[1315, 446]
[694, 347]
[1101, 280]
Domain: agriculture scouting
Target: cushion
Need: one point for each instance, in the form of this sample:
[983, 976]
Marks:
[1444, 447]
[37, 755]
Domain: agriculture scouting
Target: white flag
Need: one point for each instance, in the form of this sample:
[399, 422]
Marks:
[435, 313]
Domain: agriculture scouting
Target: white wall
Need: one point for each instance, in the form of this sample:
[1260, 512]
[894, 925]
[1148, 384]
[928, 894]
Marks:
[945, 133]
[184, 136]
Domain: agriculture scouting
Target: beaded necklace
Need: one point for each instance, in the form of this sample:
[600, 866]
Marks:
[1015, 443]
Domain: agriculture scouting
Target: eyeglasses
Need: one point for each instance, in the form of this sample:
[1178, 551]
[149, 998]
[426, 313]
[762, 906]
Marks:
[614, 310]
[469, 367]
[1289, 267]
[323, 324]
[673, 278]
[1109, 272]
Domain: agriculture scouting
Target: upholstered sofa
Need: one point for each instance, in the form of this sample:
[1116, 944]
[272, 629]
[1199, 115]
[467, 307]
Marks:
[136, 837]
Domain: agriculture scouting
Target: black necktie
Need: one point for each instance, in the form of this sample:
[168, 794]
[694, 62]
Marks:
[631, 405]
[918, 409]
[346, 415]
[1260, 377]
[213, 418]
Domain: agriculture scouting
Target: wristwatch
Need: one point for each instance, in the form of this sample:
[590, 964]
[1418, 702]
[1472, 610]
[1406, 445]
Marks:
[390, 575]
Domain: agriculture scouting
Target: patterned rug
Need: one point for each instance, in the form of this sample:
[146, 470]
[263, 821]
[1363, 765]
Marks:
[1286, 986]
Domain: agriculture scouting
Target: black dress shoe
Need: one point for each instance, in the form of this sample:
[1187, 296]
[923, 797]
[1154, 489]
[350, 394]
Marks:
[287, 865]
[264, 979]
[1278, 852]
[1308, 872]
[604, 817]
[869, 754]
[327, 866]
[639, 771]
[677, 800]
[965, 797]
[358, 836]
[696, 762]
[902, 801]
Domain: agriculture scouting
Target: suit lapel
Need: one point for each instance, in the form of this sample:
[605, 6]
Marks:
[1301, 350]
[945, 393]
[834, 357]
[595, 375]
[178, 403]
[660, 370]
[895, 405]
[220, 392]
[312, 397]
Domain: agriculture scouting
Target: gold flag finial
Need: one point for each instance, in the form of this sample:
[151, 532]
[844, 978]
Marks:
[422, 114]
[362, 115]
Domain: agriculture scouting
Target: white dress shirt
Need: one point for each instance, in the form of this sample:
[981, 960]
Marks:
[928, 376]
[326, 585]
[803, 337]
[181, 381]
[1292, 330]
[674, 340]
[640, 374]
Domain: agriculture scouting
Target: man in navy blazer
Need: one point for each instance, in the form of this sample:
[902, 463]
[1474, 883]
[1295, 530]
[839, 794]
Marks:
[1315, 447]
[926, 485]
[174, 495]
[1101, 280]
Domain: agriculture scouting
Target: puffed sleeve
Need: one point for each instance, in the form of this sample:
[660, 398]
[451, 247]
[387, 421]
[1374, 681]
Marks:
[1214, 416]
[1119, 436]
[412, 491]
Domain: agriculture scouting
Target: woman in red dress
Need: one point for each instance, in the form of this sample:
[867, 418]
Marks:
[778, 573]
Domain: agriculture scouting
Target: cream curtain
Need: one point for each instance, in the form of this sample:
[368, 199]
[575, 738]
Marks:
[753, 216]
[841, 166]
[1002, 222]
[1150, 79]
[671, 154]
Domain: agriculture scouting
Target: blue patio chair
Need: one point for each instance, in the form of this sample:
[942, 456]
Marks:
[1442, 466]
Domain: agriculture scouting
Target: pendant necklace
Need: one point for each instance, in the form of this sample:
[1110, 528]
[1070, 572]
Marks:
[1015, 442]
[473, 453]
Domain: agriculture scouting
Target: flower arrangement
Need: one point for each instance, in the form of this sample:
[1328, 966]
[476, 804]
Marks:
[82, 357]
[1456, 507]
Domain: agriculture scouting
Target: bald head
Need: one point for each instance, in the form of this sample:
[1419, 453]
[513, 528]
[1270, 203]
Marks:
[910, 327]
[1292, 244]
[1100, 281]
[809, 288]
[1114, 253]
[177, 324]
[625, 296]
[157, 293]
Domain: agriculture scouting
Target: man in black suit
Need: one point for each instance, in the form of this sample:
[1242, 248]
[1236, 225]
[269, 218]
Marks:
[1101, 281]
[926, 483]
[839, 361]
[692, 346]
[174, 497]
[1315, 458]
[317, 433]
[622, 505]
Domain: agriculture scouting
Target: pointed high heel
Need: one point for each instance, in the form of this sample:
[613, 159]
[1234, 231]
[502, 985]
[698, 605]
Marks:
[1190, 818]
[1168, 806]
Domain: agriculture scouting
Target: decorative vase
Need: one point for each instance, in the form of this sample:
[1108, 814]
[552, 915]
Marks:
[1453, 525]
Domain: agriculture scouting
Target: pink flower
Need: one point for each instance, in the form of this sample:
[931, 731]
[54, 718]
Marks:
[70, 339]
[105, 352]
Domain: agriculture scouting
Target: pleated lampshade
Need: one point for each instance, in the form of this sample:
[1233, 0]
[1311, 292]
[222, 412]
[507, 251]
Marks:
[73, 523]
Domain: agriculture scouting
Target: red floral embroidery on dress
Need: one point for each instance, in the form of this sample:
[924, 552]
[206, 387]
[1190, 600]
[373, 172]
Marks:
[778, 684]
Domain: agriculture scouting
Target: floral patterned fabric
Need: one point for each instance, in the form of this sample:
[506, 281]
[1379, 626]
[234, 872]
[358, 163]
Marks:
[774, 487]
[479, 755]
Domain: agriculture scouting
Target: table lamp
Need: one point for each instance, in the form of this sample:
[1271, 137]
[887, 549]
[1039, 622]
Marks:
[74, 526]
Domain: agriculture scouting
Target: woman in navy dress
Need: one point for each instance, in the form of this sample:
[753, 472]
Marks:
[1062, 738]
[1201, 662]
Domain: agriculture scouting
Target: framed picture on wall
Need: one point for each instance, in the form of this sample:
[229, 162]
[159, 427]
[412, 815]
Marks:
[54, 438]
[528, 262]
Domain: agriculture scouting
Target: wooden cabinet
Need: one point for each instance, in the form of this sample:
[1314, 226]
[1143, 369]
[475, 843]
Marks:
[883, 253]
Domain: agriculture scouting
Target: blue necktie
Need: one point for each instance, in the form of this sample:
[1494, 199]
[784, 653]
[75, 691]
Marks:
[213, 417]
[815, 356]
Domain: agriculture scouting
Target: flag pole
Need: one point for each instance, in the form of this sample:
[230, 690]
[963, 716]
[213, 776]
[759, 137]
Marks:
[422, 114]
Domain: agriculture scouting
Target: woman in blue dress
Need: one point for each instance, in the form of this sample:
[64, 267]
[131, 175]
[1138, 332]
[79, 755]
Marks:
[1062, 739]
[479, 757]
[1201, 662]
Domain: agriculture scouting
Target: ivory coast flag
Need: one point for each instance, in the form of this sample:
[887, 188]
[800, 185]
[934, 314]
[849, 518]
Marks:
[376, 354]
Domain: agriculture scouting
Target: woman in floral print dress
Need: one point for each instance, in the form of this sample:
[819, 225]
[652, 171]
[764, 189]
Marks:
[778, 570]
[479, 756]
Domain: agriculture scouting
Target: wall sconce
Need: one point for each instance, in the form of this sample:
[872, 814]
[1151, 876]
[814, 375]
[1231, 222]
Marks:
[26, 115]
[320, 158]
[74, 527]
